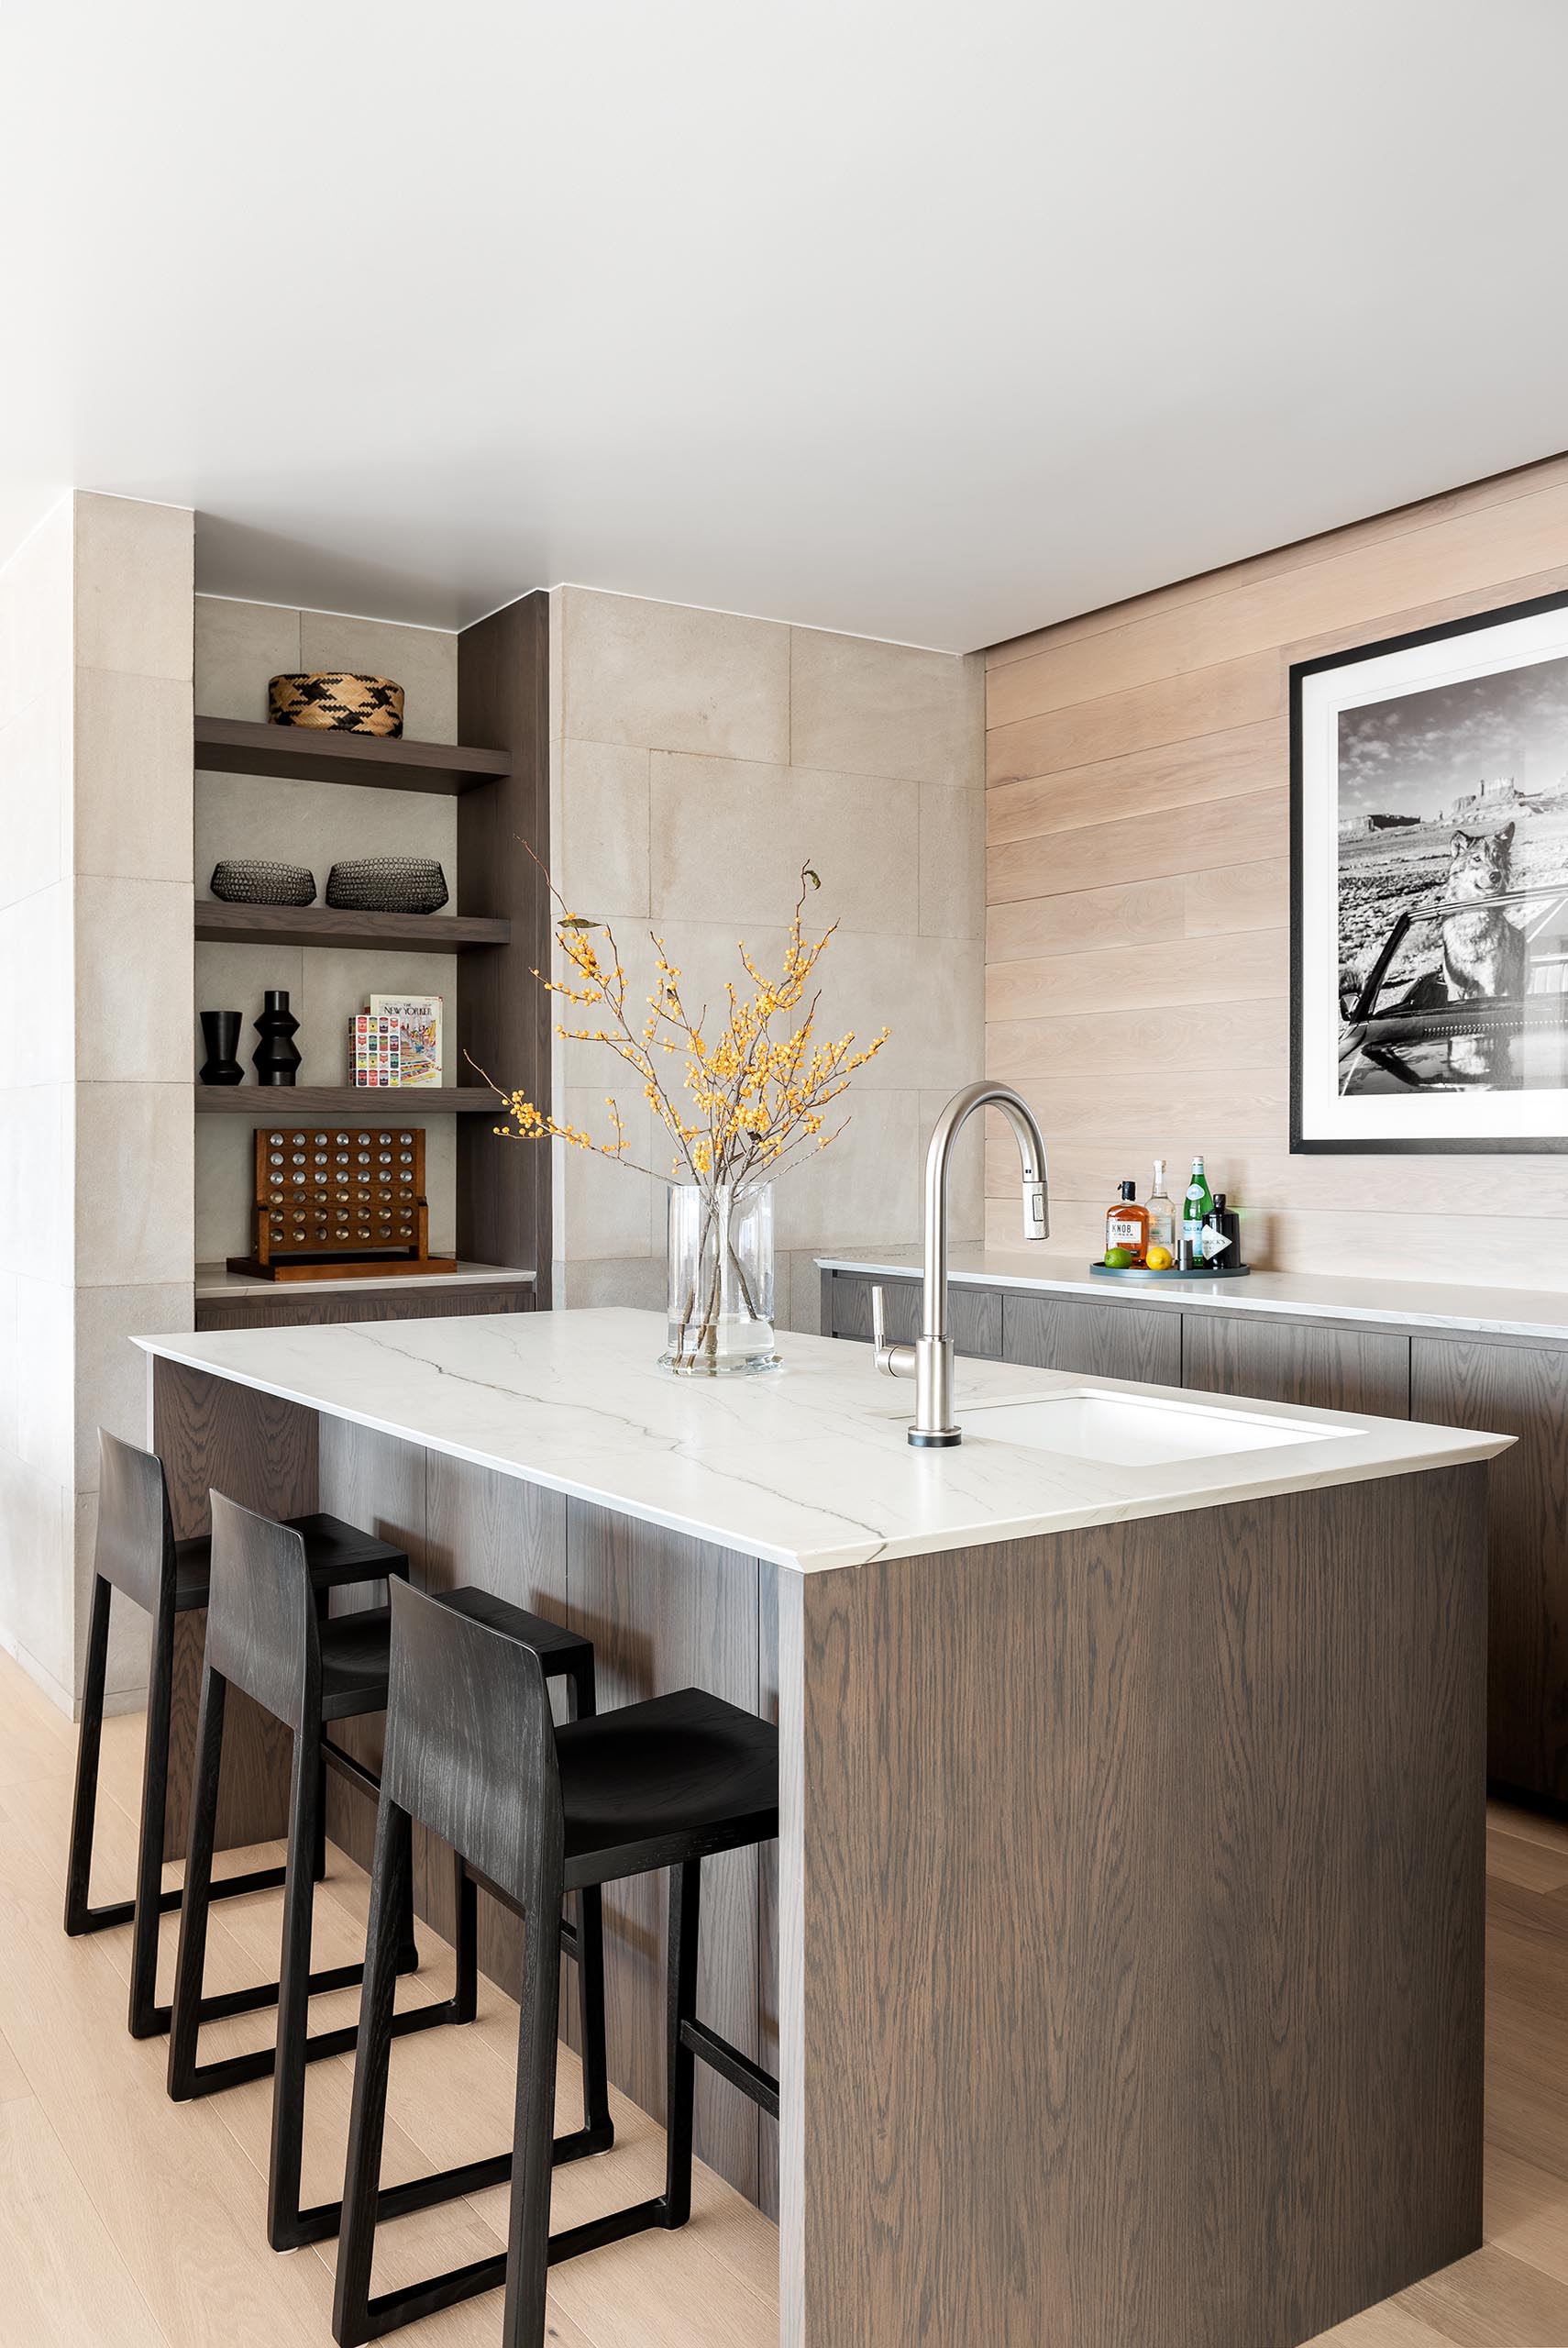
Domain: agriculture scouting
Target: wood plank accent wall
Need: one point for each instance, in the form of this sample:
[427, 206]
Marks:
[1137, 881]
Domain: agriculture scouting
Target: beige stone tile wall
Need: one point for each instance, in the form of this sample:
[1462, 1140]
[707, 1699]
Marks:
[37, 1337]
[238, 646]
[95, 1207]
[699, 759]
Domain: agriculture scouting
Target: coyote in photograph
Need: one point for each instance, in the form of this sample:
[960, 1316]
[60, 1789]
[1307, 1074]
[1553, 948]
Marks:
[1483, 952]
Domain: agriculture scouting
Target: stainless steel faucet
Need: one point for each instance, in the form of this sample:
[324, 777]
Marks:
[929, 1361]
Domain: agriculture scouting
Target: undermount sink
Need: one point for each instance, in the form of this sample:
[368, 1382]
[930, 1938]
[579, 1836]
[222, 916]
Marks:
[1129, 1430]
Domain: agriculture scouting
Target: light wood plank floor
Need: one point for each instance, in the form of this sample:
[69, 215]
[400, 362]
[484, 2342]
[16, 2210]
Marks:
[127, 2220]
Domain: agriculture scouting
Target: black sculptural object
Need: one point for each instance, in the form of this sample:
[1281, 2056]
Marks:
[220, 1033]
[275, 1058]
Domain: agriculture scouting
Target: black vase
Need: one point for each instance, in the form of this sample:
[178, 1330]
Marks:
[275, 1058]
[220, 1033]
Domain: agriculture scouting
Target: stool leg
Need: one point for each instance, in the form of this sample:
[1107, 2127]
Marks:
[367, 2119]
[146, 2016]
[685, 1925]
[596, 2117]
[583, 1703]
[186, 2018]
[293, 1996]
[85, 1807]
[528, 2234]
[465, 1987]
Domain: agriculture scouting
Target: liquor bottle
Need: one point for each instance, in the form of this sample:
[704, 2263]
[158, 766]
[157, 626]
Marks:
[1127, 1225]
[1195, 1206]
[1162, 1214]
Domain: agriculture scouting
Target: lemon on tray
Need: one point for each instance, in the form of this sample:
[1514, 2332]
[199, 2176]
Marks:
[1159, 1259]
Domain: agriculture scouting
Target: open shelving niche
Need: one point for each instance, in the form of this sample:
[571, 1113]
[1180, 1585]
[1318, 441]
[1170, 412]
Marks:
[500, 927]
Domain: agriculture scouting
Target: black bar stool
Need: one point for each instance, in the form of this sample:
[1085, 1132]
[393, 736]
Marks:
[136, 1553]
[536, 1811]
[265, 1636]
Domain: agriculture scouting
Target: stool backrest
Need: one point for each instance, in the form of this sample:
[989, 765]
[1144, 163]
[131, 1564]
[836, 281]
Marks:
[470, 1747]
[134, 1544]
[261, 1627]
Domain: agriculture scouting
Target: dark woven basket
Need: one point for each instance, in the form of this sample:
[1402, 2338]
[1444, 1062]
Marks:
[241, 880]
[334, 701]
[387, 884]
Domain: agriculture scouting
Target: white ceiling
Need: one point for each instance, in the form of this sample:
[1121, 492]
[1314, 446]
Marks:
[929, 322]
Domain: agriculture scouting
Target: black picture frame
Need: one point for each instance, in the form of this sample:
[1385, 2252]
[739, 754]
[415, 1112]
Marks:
[1302, 1144]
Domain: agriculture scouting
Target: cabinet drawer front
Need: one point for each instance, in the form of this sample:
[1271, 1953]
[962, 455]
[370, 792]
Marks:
[1102, 1340]
[1328, 1369]
[304, 1311]
[975, 1314]
[1516, 1390]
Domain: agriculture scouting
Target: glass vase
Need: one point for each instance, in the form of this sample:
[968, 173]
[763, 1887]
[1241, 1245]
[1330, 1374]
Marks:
[720, 1281]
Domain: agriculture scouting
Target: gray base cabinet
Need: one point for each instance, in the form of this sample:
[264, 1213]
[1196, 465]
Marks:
[1520, 1391]
[1507, 1387]
[1294, 1361]
[1102, 1341]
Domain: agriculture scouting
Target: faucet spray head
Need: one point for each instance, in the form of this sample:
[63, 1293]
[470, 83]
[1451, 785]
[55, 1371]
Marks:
[1037, 1212]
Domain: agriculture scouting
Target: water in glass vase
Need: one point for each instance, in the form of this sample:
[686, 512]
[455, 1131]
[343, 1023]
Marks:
[720, 1281]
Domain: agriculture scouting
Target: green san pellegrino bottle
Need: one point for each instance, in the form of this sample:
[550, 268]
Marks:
[1195, 1206]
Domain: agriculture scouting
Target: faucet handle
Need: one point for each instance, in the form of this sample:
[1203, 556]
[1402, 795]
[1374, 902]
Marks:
[896, 1361]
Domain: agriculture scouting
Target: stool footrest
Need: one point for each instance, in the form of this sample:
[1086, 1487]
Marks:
[392, 2309]
[732, 2065]
[123, 1912]
[238, 2070]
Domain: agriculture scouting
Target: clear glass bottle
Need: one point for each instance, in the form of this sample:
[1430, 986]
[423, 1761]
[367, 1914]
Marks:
[1127, 1225]
[1162, 1214]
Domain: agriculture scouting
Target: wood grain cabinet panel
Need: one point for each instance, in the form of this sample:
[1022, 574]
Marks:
[285, 1311]
[1520, 1391]
[1103, 1341]
[975, 1314]
[1326, 1368]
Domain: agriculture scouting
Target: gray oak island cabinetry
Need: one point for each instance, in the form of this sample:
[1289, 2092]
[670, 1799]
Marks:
[1099, 2014]
[1458, 1355]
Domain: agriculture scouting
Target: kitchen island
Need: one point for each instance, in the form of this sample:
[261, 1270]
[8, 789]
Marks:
[1122, 1955]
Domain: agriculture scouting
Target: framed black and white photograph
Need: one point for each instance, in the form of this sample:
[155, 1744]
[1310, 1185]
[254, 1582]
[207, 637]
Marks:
[1430, 889]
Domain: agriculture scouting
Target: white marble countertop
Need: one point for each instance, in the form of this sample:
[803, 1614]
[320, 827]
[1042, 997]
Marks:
[807, 1466]
[1414, 1304]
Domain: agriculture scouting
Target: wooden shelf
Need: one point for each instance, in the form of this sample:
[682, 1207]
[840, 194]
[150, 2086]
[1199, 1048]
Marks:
[218, 923]
[304, 1103]
[238, 746]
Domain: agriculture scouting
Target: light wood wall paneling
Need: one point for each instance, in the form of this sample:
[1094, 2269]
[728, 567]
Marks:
[1125, 732]
[1242, 830]
[1150, 782]
[1275, 1361]
[263, 1452]
[1173, 709]
[1496, 489]
[1518, 1390]
[1219, 1035]
[1247, 967]
[665, 1612]
[1102, 1341]
[1216, 2074]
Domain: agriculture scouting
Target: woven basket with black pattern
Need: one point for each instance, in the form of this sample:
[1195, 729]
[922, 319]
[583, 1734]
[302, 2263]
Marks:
[336, 703]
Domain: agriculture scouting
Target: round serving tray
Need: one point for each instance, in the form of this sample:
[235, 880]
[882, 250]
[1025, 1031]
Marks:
[1143, 1272]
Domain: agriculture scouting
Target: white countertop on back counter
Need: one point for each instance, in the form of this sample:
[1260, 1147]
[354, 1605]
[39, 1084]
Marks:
[1414, 1304]
[807, 1466]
